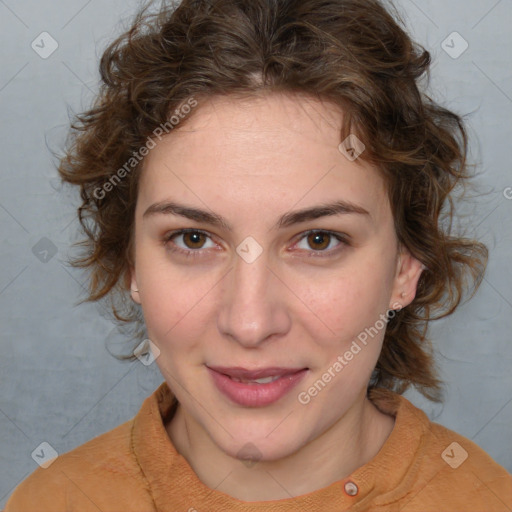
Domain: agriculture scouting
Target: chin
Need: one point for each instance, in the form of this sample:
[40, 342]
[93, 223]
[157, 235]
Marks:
[260, 447]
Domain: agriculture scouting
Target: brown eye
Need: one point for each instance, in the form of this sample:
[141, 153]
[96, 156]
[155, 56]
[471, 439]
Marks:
[319, 240]
[194, 239]
[322, 243]
[189, 242]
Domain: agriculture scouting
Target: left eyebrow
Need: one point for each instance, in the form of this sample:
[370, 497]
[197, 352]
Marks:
[285, 221]
[316, 212]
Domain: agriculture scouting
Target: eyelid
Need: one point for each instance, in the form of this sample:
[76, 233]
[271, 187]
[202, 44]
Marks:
[341, 237]
[187, 252]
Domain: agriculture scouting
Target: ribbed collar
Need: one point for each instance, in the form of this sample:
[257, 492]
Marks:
[174, 486]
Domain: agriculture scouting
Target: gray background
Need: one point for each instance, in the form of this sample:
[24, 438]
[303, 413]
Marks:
[59, 384]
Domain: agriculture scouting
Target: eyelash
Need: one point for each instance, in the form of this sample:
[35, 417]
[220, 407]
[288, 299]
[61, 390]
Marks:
[198, 253]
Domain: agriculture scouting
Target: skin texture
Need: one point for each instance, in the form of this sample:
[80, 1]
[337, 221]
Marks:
[251, 161]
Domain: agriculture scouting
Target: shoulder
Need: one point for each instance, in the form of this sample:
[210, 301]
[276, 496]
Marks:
[459, 452]
[75, 479]
[435, 468]
[454, 471]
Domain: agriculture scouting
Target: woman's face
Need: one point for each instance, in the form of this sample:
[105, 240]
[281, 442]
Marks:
[268, 278]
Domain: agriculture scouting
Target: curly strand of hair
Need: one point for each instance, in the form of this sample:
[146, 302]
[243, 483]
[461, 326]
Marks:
[353, 53]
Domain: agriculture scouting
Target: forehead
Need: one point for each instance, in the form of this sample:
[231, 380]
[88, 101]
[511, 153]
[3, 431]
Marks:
[271, 122]
[278, 149]
[269, 111]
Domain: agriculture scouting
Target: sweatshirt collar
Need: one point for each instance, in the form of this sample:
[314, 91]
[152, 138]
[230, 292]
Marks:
[174, 486]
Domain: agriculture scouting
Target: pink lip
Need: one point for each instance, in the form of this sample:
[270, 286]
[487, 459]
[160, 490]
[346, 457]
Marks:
[254, 394]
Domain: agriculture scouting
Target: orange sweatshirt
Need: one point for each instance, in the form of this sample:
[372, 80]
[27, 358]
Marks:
[422, 467]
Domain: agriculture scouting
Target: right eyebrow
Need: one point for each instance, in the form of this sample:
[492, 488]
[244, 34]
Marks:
[286, 220]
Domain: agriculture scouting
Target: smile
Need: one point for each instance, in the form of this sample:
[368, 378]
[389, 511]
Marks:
[255, 388]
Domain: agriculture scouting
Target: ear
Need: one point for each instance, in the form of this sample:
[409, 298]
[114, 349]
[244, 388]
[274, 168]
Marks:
[408, 272]
[133, 285]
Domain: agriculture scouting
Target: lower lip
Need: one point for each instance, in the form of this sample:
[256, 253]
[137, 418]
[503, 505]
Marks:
[256, 395]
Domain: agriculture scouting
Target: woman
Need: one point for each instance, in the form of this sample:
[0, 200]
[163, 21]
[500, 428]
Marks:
[267, 184]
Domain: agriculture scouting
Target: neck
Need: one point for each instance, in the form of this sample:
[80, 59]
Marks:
[354, 439]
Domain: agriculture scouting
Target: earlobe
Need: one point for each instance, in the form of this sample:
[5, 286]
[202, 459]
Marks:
[408, 273]
[134, 289]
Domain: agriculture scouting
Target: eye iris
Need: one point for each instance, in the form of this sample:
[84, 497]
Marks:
[197, 238]
[319, 238]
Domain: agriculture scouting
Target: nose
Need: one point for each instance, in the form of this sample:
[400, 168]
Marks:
[252, 307]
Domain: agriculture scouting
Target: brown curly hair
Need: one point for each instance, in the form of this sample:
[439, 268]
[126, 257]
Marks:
[354, 53]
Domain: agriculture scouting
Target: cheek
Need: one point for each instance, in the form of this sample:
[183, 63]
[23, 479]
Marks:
[164, 297]
[169, 312]
[347, 304]
[176, 304]
[354, 308]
